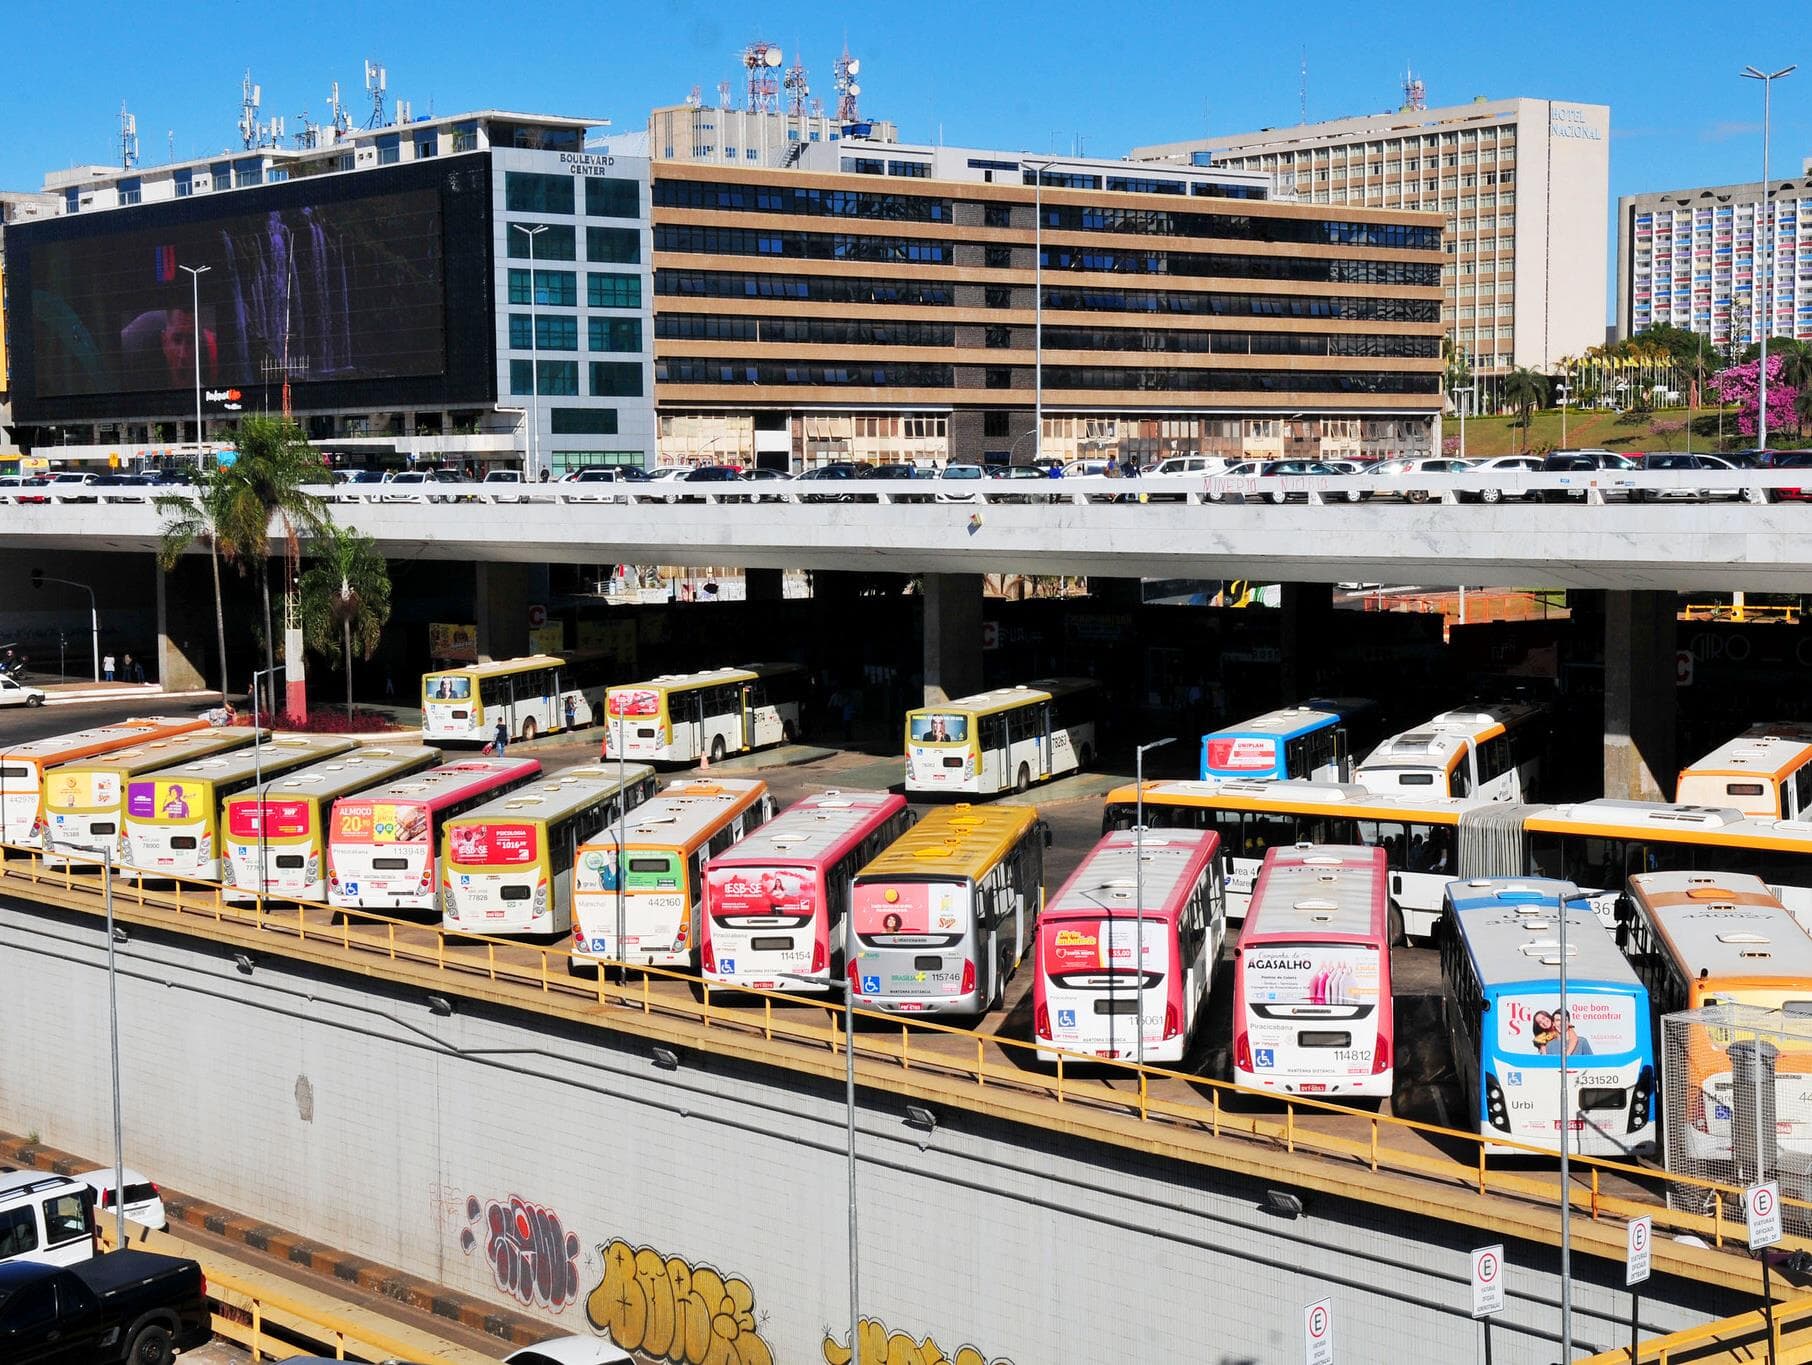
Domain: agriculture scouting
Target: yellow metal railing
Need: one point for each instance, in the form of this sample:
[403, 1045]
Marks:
[1215, 1107]
[1745, 1337]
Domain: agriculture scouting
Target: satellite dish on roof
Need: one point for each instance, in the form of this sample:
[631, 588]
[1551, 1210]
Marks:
[772, 57]
[855, 89]
[853, 65]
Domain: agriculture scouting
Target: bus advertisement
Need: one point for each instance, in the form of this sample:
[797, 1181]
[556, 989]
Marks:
[381, 852]
[1313, 742]
[23, 766]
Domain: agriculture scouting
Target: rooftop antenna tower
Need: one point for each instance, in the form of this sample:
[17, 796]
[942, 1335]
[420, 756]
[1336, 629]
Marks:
[696, 99]
[1415, 93]
[762, 60]
[172, 136]
[128, 138]
[250, 97]
[405, 111]
[724, 101]
[847, 68]
[376, 83]
[339, 118]
[798, 89]
[1302, 88]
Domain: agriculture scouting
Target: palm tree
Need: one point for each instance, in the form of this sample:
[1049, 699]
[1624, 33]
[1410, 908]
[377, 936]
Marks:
[1802, 408]
[269, 482]
[192, 519]
[345, 596]
[1525, 390]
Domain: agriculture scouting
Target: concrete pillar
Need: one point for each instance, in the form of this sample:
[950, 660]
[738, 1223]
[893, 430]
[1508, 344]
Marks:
[1308, 612]
[178, 669]
[764, 585]
[501, 602]
[953, 636]
[1639, 698]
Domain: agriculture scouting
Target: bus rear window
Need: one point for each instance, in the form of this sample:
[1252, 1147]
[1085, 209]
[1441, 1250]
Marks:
[938, 727]
[1242, 754]
[660, 864]
[1742, 789]
[447, 687]
[1415, 779]
[12, 770]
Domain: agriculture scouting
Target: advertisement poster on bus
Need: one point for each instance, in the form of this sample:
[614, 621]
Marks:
[83, 791]
[1242, 754]
[633, 701]
[493, 844]
[760, 893]
[164, 800]
[938, 728]
[1314, 974]
[380, 822]
[933, 908]
[1074, 947]
[1591, 1026]
[269, 819]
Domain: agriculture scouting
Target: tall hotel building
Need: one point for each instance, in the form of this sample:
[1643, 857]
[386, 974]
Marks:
[1693, 259]
[1522, 185]
[880, 302]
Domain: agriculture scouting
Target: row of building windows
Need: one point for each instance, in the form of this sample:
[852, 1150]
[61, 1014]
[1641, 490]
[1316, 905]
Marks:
[867, 165]
[560, 289]
[1235, 381]
[558, 333]
[1240, 305]
[765, 198]
[811, 331]
[560, 378]
[686, 371]
[1082, 180]
[714, 284]
[1189, 263]
[559, 242]
[816, 246]
[605, 196]
[1239, 343]
[1240, 227]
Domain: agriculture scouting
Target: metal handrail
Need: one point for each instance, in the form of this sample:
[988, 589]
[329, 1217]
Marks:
[268, 913]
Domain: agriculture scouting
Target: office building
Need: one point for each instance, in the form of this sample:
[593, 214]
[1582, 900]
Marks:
[877, 303]
[1523, 187]
[1693, 259]
[463, 288]
[748, 137]
[14, 207]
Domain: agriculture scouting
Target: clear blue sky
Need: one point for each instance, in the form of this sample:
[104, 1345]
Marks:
[1010, 75]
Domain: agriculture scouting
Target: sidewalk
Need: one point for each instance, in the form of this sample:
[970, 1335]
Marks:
[77, 693]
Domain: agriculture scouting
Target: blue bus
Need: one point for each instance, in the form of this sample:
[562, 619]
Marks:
[1500, 965]
[1313, 741]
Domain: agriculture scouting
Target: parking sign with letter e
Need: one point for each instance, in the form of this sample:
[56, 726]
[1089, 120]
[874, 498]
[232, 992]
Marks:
[1635, 1265]
[1762, 1211]
[1318, 1333]
[1487, 1281]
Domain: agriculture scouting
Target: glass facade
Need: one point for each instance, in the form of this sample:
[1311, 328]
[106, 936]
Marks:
[617, 246]
[528, 193]
[819, 246]
[612, 291]
[609, 197]
[555, 243]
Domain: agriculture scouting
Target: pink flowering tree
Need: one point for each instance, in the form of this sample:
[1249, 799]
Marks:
[1739, 385]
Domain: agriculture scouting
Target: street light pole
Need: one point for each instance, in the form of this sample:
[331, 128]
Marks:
[1139, 878]
[1566, 1144]
[195, 274]
[38, 577]
[1765, 224]
[534, 451]
[113, 1036]
[1038, 169]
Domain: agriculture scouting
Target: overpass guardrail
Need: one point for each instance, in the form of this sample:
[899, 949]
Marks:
[1162, 1104]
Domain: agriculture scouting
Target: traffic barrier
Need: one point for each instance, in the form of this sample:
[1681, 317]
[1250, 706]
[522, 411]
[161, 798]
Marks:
[899, 1054]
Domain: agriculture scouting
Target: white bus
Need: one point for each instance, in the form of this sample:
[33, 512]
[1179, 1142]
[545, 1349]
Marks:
[1488, 753]
[1766, 771]
[1003, 740]
[536, 695]
[683, 717]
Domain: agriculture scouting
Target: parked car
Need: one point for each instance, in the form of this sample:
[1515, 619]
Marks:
[768, 477]
[1680, 462]
[1186, 467]
[959, 473]
[45, 1217]
[67, 485]
[1502, 463]
[1396, 471]
[903, 471]
[1315, 469]
[1584, 462]
[144, 1201]
[15, 693]
[706, 473]
[1792, 459]
[1028, 474]
[1239, 469]
[128, 1305]
[600, 483]
[838, 473]
[17, 487]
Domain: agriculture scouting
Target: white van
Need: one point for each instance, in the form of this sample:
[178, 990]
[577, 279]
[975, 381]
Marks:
[45, 1218]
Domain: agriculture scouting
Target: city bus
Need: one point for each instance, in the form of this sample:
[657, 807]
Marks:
[83, 800]
[665, 845]
[1003, 740]
[944, 916]
[1487, 753]
[276, 834]
[381, 853]
[683, 717]
[173, 827]
[1701, 939]
[1765, 771]
[539, 694]
[1420, 836]
[1312, 1009]
[1500, 966]
[506, 866]
[23, 766]
[1123, 953]
[776, 914]
[1313, 742]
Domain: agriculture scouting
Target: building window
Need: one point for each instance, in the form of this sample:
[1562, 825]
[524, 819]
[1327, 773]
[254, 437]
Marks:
[248, 173]
[557, 243]
[999, 338]
[997, 298]
[994, 425]
[613, 291]
[911, 168]
[389, 150]
[527, 193]
[559, 378]
[998, 257]
[129, 192]
[997, 377]
[556, 333]
[997, 215]
[616, 379]
[615, 334]
[425, 148]
[520, 375]
[584, 421]
[522, 337]
[552, 289]
[185, 183]
[606, 197]
[618, 246]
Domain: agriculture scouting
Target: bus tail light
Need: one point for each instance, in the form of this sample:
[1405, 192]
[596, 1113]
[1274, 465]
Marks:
[968, 977]
[1640, 1100]
[1242, 1051]
[707, 955]
[426, 884]
[1173, 1022]
[820, 956]
[1496, 1111]
[1041, 1022]
[855, 976]
[1381, 1056]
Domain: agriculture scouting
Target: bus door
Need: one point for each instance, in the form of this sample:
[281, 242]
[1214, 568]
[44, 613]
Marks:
[1047, 755]
[747, 697]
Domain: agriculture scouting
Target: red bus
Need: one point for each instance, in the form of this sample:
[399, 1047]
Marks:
[1311, 975]
[777, 904]
[381, 852]
[1170, 918]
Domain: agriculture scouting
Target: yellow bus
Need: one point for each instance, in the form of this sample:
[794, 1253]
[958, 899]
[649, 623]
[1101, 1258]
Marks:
[538, 694]
[654, 886]
[683, 717]
[507, 867]
[83, 803]
[1008, 738]
[1765, 771]
[22, 766]
[276, 834]
[943, 917]
[172, 824]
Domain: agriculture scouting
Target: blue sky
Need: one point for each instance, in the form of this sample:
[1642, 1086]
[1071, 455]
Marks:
[1010, 75]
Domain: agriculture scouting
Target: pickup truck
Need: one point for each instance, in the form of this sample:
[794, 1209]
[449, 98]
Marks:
[127, 1306]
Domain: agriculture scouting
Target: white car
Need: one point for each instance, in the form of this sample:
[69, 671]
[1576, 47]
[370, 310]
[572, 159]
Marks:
[1187, 467]
[16, 693]
[144, 1202]
[1529, 464]
[570, 1351]
[960, 471]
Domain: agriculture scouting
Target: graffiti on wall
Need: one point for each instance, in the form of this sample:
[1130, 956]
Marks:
[531, 1254]
[882, 1347]
[662, 1308]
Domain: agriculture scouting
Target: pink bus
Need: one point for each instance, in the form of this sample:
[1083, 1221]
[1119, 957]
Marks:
[1312, 1010]
[1170, 918]
[381, 853]
[777, 904]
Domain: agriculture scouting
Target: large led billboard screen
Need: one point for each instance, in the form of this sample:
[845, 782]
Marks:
[363, 289]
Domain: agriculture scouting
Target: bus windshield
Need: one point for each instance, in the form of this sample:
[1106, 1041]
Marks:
[1531, 1025]
[447, 687]
[939, 727]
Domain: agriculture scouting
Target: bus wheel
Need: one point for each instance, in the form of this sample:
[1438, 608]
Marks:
[717, 749]
[1398, 936]
[1024, 780]
[1088, 755]
[528, 731]
[786, 732]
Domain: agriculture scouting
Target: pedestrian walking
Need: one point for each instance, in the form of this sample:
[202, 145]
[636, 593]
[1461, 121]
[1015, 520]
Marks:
[500, 741]
[107, 667]
[138, 669]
